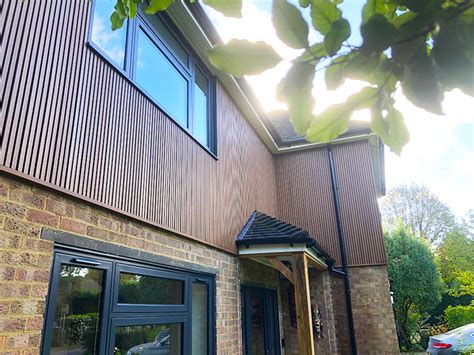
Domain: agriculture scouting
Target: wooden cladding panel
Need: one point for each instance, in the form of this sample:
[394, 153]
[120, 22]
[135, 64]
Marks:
[306, 200]
[71, 120]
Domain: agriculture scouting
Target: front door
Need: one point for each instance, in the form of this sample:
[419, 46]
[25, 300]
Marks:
[261, 323]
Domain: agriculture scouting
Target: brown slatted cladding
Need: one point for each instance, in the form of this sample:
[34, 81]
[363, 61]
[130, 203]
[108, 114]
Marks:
[305, 199]
[69, 119]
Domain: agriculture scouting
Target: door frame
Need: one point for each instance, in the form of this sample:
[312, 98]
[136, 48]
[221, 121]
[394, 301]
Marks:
[271, 324]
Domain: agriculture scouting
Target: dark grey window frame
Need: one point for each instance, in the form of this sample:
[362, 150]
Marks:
[113, 313]
[187, 71]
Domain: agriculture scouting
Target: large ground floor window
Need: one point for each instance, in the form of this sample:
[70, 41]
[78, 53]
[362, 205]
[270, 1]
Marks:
[103, 305]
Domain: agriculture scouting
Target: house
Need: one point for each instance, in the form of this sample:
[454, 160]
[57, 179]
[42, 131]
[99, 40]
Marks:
[147, 203]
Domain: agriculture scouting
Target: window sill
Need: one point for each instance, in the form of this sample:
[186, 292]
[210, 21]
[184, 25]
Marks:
[122, 72]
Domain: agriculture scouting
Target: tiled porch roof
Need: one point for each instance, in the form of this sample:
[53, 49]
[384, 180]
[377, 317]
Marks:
[264, 229]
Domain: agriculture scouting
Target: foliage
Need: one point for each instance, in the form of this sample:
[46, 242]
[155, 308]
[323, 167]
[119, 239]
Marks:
[416, 44]
[457, 316]
[456, 257]
[419, 211]
[414, 280]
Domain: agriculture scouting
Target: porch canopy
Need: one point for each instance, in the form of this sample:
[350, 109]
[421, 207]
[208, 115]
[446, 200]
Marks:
[291, 251]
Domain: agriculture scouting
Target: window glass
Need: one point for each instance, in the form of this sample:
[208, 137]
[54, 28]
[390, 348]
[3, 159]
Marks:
[77, 312]
[201, 89]
[148, 339]
[111, 42]
[161, 79]
[200, 322]
[141, 289]
[170, 40]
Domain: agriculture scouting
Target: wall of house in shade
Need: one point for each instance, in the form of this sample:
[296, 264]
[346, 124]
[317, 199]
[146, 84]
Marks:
[305, 199]
[27, 210]
[72, 121]
[76, 130]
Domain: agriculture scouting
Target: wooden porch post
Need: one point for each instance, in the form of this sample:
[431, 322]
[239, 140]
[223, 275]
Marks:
[303, 304]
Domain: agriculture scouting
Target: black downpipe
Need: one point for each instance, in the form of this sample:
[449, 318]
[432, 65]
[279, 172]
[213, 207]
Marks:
[342, 246]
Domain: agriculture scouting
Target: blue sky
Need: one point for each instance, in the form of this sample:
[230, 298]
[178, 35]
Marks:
[440, 154]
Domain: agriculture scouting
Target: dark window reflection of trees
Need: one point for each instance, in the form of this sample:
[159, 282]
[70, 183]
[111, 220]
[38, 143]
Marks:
[77, 313]
[140, 289]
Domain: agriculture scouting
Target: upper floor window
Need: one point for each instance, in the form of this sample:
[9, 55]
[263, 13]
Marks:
[149, 52]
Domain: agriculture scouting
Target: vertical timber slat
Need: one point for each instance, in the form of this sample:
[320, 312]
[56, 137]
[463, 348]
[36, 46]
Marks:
[303, 304]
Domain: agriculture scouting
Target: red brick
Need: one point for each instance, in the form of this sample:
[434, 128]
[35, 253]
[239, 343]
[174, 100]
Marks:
[27, 197]
[73, 226]
[60, 208]
[17, 341]
[41, 217]
[9, 241]
[12, 209]
[10, 325]
[38, 245]
[39, 290]
[97, 232]
[34, 323]
[109, 224]
[14, 290]
[19, 227]
[86, 216]
[7, 273]
[4, 189]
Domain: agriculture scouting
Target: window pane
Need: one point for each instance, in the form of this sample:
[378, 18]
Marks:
[201, 89]
[200, 323]
[148, 339]
[77, 313]
[111, 42]
[141, 289]
[171, 42]
[161, 79]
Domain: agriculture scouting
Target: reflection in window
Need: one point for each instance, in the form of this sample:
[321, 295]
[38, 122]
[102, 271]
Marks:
[161, 79]
[168, 38]
[111, 42]
[77, 313]
[141, 289]
[148, 339]
[200, 322]
[201, 89]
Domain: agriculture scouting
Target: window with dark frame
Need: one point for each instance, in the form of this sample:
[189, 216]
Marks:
[149, 51]
[103, 305]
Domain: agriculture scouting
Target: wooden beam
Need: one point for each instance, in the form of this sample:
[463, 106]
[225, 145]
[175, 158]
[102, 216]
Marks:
[303, 304]
[277, 264]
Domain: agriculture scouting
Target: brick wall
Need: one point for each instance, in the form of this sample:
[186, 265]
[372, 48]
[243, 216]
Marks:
[25, 260]
[372, 310]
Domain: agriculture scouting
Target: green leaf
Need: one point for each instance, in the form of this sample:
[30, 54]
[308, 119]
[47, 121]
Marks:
[383, 75]
[289, 24]
[296, 90]
[419, 5]
[157, 5]
[361, 66]
[339, 32]
[241, 57]
[304, 3]
[323, 14]
[373, 7]
[420, 84]
[378, 33]
[403, 18]
[334, 121]
[230, 8]
[453, 57]
[313, 53]
[391, 129]
[116, 21]
[334, 74]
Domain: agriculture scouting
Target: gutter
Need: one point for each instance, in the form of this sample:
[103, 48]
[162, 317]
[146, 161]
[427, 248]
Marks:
[342, 246]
